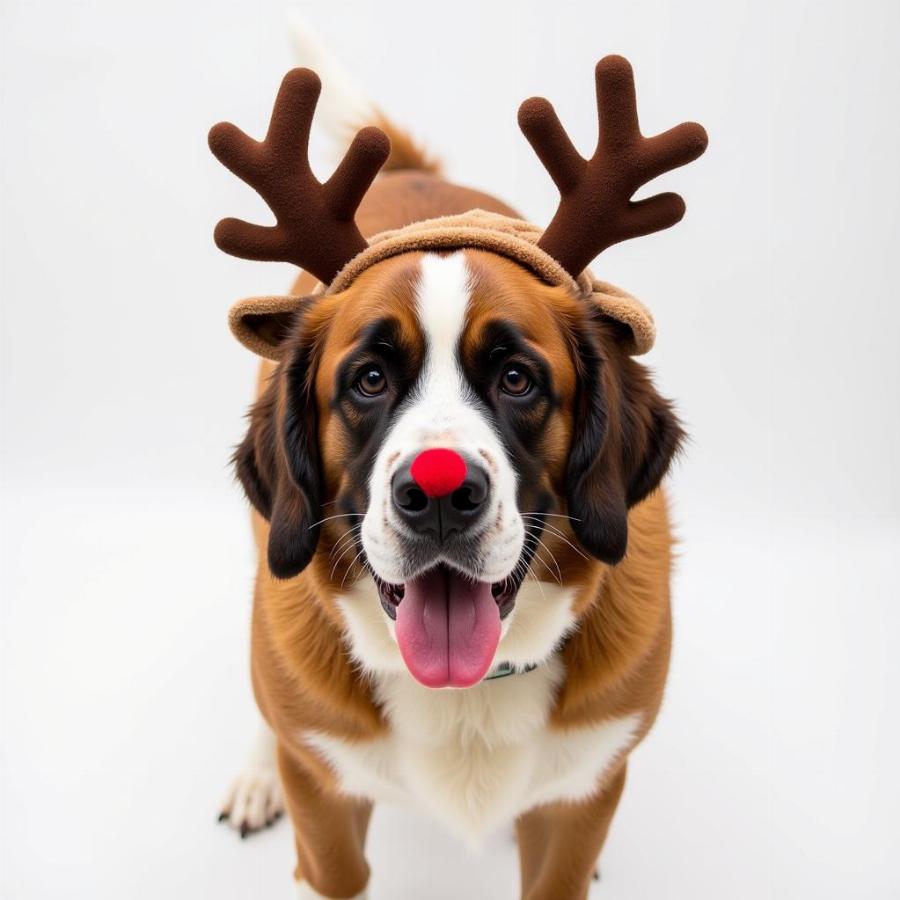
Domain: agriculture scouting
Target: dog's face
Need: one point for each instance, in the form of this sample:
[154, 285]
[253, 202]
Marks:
[452, 445]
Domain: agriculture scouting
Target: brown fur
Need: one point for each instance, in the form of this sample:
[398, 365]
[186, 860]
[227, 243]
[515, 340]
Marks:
[616, 661]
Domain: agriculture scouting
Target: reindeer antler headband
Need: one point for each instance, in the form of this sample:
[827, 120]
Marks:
[595, 208]
[315, 227]
[314, 222]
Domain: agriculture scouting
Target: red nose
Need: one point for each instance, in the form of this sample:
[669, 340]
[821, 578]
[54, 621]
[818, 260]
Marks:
[438, 471]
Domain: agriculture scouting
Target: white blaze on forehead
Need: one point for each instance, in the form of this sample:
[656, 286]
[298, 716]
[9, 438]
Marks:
[443, 298]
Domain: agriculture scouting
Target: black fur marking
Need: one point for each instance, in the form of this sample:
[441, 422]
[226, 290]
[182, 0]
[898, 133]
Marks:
[520, 421]
[367, 420]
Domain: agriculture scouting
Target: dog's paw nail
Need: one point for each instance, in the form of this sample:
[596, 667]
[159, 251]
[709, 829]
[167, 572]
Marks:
[254, 801]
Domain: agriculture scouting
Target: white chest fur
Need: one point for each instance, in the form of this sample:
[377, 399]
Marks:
[477, 758]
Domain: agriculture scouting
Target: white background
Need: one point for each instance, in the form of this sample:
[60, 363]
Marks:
[126, 554]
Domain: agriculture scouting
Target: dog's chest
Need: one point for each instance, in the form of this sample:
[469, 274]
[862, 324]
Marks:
[476, 758]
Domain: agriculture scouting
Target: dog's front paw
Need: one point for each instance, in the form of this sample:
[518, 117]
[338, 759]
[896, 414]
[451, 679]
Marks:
[254, 801]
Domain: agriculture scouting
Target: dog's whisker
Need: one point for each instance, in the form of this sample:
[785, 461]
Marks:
[540, 515]
[350, 534]
[535, 539]
[562, 537]
[544, 526]
[350, 567]
[345, 542]
[552, 557]
[337, 562]
[338, 516]
[537, 558]
[364, 569]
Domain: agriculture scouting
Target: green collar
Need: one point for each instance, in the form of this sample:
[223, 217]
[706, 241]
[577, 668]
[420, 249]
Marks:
[501, 670]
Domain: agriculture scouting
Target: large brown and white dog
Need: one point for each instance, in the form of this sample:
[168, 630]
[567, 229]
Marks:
[462, 598]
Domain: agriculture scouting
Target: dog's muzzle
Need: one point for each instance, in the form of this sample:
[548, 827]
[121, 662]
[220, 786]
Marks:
[447, 619]
[440, 495]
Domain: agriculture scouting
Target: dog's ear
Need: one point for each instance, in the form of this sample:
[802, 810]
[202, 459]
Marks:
[278, 464]
[625, 437]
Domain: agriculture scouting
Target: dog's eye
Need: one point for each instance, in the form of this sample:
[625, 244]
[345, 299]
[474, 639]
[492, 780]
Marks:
[515, 381]
[372, 382]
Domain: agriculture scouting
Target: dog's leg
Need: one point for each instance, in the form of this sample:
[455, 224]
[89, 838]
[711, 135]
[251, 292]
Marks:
[254, 800]
[559, 844]
[329, 832]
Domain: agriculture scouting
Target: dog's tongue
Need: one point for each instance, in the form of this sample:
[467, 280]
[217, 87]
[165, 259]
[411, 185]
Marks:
[448, 628]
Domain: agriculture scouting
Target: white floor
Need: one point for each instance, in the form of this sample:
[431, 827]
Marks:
[127, 709]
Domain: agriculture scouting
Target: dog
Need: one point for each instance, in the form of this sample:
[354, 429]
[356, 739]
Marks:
[455, 465]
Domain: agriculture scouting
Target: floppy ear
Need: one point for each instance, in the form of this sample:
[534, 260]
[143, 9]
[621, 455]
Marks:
[626, 436]
[277, 463]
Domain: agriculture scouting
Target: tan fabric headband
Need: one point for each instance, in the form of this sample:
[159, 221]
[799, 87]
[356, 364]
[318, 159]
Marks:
[477, 229]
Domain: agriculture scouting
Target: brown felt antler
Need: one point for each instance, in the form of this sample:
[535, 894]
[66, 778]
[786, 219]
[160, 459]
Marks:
[595, 208]
[314, 222]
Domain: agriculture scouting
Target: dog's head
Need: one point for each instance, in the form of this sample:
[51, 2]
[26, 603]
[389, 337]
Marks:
[448, 436]
[452, 445]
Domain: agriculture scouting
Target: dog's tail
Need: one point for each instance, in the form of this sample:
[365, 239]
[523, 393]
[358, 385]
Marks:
[344, 107]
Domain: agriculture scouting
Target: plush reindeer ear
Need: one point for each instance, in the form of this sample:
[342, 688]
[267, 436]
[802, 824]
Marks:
[277, 464]
[626, 437]
[264, 324]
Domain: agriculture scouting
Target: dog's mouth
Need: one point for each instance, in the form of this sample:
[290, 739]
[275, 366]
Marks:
[504, 593]
[448, 624]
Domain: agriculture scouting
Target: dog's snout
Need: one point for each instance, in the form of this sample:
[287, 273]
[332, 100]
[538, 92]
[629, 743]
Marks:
[439, 494]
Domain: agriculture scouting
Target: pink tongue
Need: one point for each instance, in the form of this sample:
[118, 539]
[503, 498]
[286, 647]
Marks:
[448, 628]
